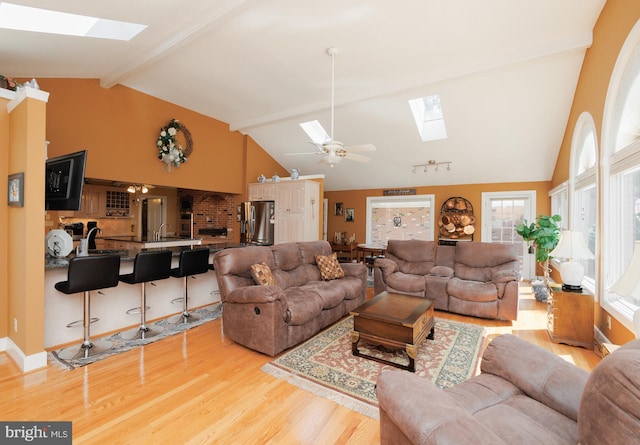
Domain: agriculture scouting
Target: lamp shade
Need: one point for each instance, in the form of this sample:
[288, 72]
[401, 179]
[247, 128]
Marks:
[572, 247]
[628, 285]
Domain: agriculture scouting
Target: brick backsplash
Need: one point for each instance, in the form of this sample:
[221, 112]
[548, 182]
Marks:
[211, 210]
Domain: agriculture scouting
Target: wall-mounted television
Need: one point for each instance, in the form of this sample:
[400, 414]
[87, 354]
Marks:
[64, 181]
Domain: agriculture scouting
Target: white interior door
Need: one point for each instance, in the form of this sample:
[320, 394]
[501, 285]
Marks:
[501, 212]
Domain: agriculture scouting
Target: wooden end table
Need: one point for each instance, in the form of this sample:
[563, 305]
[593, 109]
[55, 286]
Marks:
[394, 321]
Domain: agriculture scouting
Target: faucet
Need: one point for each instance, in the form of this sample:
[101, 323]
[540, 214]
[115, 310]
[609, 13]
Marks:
[89, 235]
[159, 232]
[91, 231]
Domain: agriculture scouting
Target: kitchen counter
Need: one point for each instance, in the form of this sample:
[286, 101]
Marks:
[166, 241]
[130, 254]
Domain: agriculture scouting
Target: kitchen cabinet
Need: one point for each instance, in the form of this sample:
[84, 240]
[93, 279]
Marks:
[117, 203]
[297, 215]
[92, 205]
[570, 317]
[262, 192]
[104, 202]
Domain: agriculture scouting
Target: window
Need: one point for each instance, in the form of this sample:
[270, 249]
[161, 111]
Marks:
[427, 112]
[621, 176]
[584, 197]
[399, 217]
[560, 203]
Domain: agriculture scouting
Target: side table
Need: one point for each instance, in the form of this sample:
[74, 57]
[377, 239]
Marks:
[570, 318]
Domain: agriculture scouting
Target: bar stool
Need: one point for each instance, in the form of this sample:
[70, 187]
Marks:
[147, 266]
[192, 262]
[85, 274]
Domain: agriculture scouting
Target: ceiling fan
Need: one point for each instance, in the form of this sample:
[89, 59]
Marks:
[333, 151]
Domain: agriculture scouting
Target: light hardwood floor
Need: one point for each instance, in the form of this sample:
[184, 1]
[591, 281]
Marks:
[199, 388]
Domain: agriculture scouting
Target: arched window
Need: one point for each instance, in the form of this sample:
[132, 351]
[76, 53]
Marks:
[621, 175]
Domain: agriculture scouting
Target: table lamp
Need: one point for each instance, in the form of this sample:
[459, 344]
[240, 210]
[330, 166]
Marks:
[572, 246]
[628, 285]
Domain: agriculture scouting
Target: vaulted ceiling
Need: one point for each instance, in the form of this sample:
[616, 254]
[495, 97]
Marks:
[505, 70]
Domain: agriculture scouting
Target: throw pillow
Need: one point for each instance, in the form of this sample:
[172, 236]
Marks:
[262, 275]
[329, 266]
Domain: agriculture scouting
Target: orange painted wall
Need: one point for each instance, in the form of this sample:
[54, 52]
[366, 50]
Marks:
[25, 279]
[357, 199]
[119, 127]
[616, 21]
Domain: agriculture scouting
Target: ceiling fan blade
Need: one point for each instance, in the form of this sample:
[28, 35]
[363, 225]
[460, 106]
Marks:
[356, 157]
[361, 147]
[303, 153]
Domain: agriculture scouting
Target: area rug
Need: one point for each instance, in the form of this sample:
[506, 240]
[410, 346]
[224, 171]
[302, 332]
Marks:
[325, 365]
[120, 345]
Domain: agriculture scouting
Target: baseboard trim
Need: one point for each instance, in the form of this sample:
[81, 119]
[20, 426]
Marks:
[26, 363]
[598, 340]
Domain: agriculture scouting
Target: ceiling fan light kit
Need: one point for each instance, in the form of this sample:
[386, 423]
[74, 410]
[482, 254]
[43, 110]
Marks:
[434, 164]
[333, 151]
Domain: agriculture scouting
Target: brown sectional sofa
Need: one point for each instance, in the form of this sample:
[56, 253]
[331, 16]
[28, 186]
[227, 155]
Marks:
[470, 278]
[272, 318]
[524, 395]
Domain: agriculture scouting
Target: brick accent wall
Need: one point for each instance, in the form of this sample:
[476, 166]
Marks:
[211, 210]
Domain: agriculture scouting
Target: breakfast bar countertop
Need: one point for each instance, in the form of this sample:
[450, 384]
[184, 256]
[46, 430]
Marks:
[130, 254]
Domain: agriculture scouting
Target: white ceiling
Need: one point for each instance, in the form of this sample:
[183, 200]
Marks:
[505, 70]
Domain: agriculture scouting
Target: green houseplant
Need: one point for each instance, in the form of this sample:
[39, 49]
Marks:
[544, 235]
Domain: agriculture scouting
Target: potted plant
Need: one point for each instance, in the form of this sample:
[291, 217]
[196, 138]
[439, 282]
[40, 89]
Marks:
[544, 235]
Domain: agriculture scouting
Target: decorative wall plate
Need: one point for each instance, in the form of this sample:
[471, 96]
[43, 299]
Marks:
[59, 243]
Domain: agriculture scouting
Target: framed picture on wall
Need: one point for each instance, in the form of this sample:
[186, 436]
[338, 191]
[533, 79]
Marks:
[350, 215]
[16, 190]
[339, 209]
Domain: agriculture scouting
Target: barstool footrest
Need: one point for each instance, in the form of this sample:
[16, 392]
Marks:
[136, 310]
[73, 324]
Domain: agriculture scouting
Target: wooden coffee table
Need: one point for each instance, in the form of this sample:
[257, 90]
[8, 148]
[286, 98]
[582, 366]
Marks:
[393, 321]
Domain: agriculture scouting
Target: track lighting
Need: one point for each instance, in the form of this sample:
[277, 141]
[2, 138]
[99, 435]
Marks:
[434, 164]
[133, 188]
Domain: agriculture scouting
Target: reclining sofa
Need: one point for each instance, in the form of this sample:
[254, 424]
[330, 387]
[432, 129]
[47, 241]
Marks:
[524, 395]
[470, 278]
[299, 303]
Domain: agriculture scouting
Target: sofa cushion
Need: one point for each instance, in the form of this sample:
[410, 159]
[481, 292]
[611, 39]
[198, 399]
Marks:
[407, 282]
[329, 267]
[302, 306]
[472, 290]
[262, 275]
[504, 275]
[330, 294]
[412, 256]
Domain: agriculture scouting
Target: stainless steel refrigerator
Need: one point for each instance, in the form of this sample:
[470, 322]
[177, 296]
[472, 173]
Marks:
[257, 222]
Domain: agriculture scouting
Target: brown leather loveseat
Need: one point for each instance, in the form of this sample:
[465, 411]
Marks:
[524, 395]
[271, 318]
[471, 278]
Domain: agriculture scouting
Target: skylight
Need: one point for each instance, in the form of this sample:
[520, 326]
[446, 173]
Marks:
[315, 131]
[24, 18]
[427, 112]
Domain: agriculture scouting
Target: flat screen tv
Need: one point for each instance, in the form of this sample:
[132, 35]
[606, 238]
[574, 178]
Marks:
[64, 180]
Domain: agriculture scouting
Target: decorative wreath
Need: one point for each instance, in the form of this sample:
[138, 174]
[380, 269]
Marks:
[169, 150]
